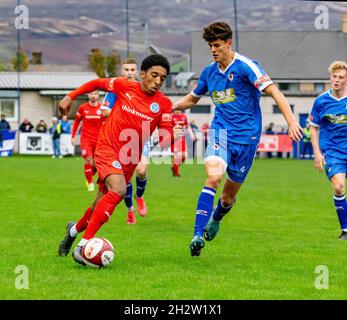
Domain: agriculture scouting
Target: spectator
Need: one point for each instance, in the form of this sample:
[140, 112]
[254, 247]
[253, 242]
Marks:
[307, 142]
[270, 130]
[194, 129]
[4, 125]
[55, 132]
[26, 126]
[205, 128]
[41, 126]
[65, 125]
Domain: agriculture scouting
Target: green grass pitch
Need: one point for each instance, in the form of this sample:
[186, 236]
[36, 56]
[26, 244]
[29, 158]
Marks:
[283, 226]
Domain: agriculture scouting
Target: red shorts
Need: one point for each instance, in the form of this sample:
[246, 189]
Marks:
[88, 148]
[107, 162]
[179, 145]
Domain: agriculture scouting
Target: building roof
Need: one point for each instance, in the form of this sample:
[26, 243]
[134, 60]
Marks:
[294, 55]
[45, 80]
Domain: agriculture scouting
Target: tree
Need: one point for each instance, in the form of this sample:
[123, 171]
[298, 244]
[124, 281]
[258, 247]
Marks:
[23, 61]
[112, 62]
[104, 66]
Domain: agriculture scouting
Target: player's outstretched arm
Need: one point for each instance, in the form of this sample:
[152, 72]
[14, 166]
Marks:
[186, 102]
[97, 84]
[319, 160]
[294, 129]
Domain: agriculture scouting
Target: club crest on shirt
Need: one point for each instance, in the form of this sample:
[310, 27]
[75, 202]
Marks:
[154, 107]
[116, 164]
[99, 112]
[231, 77]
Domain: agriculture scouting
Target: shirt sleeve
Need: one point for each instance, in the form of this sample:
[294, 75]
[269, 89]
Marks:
[314, 118]
[201, 87]
[76, 123]
[105, 84]
[256, 74]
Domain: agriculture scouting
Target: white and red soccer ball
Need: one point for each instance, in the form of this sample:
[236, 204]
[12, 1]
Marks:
[98, 252]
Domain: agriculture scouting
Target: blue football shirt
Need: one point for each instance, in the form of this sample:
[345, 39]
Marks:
[330, 115]
[236, 94]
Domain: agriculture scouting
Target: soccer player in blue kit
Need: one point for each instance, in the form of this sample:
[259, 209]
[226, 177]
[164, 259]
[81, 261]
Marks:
[235, 83]
[328, 119]
[129, 71]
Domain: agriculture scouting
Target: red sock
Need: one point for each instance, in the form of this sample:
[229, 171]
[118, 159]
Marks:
[88, 172]
[83, 222]
[175, 169]
[102, 212]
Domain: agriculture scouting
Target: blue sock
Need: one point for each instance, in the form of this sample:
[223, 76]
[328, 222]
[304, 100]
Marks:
[221, 211]
[203, 210]
[341, 209]
[140, 187]
[128, 198]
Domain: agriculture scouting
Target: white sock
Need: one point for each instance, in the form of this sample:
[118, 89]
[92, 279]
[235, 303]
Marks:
[73, 231]
[82, 242]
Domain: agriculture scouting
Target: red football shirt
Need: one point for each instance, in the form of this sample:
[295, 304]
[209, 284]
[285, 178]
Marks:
[92, 121]
[182, 120]
[134, 117]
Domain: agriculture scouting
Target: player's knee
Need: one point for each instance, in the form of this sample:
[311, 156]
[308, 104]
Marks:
[339, 189]
[213, 181]
[120, 190]
[227, 199]
[142, 173]
[89, 160]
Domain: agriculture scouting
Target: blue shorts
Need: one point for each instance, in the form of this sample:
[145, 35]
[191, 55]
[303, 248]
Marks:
[334, 166]
[146, 149]
[237, 158]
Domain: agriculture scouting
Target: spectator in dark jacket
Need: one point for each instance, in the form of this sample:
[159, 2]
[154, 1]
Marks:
[4, 125]
[26, 126]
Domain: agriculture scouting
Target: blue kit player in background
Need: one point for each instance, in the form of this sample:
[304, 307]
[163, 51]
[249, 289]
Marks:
[235, 83]
[129, 71]
[328, 119]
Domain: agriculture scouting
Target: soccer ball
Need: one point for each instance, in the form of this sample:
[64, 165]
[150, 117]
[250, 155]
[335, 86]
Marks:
[98, 252]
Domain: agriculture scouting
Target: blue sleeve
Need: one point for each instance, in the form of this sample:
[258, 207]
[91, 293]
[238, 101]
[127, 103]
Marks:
[255, 73]
[314, 116]
[109, 100]
[202, 86]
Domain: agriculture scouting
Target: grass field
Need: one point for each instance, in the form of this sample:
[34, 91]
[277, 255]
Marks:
[283, 226]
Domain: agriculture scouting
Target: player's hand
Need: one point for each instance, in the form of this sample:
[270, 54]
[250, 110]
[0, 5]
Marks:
[295, 131]
[319, 162]
[73, 141]
[178, 131]
[65, 105]
[106, 112]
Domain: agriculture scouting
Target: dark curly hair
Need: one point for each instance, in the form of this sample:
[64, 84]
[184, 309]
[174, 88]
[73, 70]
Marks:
[155, 60]
[217, 31]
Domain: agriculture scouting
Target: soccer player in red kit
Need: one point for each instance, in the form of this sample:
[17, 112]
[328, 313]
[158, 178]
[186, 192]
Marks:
[92, 119]
[140, 109]
[178, 148]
